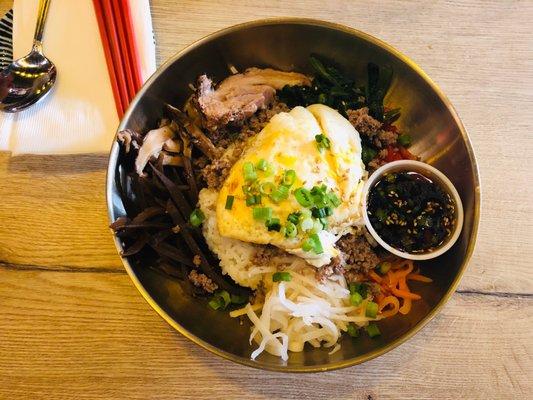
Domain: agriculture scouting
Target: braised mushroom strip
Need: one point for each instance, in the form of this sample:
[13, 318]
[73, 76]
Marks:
[161, 192]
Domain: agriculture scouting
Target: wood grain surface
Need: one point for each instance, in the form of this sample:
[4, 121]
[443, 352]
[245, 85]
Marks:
[73, 325]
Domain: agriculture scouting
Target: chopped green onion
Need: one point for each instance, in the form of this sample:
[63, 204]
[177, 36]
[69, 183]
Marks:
[289, 177]
[352, 330]
[308, 245]
[273, 224]
[249, 172]
[324, 223]
[229, 202]
[262, 213]
[306, 224]
[215, 303]
[224, 295]
[281, 276]
[269, 170]
[262, 165]
[361, 288]
[405, 140]
[306, 213]
[353, 286]
[290, 229]
[294, 217]
[266, 188]
[247, 190]
[253, 200]
[322, 98]
[322, 142]
[317, 226]
[371, 309]
[313, 243]
[373, 330]
[333, 199]
[196, 218]
[391, 178]
[303, 196]
[321, 212]
[281, 193]
[238, 299]
[384, 267]
[355, 299]
[318, 244]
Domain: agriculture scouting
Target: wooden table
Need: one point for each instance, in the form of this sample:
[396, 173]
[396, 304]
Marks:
[72, 325]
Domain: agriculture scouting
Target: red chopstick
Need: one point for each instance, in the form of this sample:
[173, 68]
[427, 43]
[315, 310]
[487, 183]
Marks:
[133, 53]
[117, 95]
[116, 14]
[116, 31]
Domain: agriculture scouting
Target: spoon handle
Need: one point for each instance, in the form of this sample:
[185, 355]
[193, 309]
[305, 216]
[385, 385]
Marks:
[44, 5]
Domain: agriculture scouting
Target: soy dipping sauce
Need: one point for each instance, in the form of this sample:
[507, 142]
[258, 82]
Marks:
[410, 212]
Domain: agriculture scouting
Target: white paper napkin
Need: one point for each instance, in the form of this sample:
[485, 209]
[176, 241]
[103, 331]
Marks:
[79, 115]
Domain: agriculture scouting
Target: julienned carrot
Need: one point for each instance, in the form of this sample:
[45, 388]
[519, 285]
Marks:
[374, 276]
[418, 277]
[389, 300]
[405, 294]
[406, 306]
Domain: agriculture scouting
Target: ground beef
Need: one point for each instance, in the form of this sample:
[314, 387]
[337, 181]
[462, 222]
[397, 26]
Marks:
[363, 122]
[215, 174]
[371, 128]
[334, 267]
[358, 255]
[202, 281]
[265, 255]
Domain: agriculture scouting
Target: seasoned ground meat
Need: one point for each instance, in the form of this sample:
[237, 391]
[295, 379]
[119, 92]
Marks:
[358, 255]
[334, 267]
[215, 174]
[363, 122]
[265, 255]
[371, 128]
[202, 281]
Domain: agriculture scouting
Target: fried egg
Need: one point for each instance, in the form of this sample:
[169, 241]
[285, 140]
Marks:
[290, 142]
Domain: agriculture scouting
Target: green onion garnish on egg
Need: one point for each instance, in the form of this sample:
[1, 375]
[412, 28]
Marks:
[273, 224]
[289, 177]
[262, 213]
[322, 142]
[229, 202]
[249, 172]
[303, 196]
[262, 165]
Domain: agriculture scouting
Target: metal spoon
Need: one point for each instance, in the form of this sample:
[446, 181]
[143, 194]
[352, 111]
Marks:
[28, 79]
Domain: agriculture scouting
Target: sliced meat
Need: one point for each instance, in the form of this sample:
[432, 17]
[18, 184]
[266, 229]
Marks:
[202, 281]
[241, 95]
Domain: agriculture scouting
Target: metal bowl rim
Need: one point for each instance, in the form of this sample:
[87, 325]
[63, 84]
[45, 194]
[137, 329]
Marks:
[113, 157]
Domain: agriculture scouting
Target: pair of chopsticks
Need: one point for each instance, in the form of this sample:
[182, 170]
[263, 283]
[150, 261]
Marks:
[116, 32]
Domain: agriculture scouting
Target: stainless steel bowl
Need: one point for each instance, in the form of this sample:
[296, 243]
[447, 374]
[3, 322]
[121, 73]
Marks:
[439, 138]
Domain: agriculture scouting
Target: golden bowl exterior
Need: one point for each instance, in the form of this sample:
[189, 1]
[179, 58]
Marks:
[439, 138]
